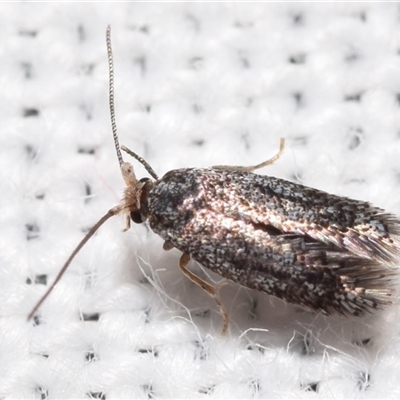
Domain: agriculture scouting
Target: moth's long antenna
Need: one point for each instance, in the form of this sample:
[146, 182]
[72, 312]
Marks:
[113, 211]
[92, 231]
[111, 96]
[141, 160]
[112, 113]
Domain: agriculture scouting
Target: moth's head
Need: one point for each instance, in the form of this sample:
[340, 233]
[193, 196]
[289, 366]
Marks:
[134, 201]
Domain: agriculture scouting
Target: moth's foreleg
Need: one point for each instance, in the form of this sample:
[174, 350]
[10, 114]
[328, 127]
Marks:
[127, 223]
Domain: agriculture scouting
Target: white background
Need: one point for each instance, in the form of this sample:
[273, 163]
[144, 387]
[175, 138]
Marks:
[197, 84]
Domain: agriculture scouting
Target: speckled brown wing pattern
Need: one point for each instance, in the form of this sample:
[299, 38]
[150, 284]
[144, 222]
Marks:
[317, 250]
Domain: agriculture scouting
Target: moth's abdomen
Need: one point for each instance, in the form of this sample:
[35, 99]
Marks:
[205, 214]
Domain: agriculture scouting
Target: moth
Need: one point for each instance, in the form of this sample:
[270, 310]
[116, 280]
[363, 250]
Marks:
[323, 252]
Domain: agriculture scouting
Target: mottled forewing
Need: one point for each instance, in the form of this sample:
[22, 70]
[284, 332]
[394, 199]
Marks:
[260, 233]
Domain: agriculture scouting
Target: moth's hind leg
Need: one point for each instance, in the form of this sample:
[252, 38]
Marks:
[212, 290]
[252, 168]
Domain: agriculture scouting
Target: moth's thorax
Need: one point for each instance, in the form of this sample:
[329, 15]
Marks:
[173, 200]
[182, 196]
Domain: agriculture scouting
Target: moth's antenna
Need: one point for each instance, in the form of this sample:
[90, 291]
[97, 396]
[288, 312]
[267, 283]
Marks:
[112, 113]
[92, 231]
[111, 96]
[127, 175]
[141, 160]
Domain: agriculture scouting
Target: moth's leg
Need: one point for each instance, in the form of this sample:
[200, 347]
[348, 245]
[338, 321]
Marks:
[167, 245]
[127, 223]
[252, 168]
[210, 289]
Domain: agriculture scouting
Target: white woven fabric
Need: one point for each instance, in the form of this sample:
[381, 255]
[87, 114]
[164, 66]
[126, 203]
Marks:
[197, 84]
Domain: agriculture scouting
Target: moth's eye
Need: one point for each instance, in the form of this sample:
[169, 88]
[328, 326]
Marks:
[143, 180]
[136, 217]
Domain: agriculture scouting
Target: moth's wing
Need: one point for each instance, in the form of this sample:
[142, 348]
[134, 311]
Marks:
[261, 233]
[296, 268]
[353, 225]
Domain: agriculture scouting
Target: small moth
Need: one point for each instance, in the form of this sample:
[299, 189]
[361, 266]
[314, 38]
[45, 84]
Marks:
[322, 252]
